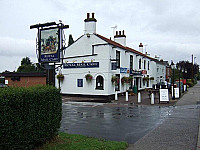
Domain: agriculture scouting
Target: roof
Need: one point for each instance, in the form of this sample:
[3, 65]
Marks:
[23, 74]
[124, 47]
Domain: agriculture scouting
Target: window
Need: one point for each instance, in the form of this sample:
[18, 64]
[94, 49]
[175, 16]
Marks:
[157, 69]
[131, 62]
[148, 65]
[79, 82]
[144, 64]
[118, 59]
[99, 83]
[140, 63]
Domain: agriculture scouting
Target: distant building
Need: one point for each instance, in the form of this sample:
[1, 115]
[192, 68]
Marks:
[23, 79]
[95, 55]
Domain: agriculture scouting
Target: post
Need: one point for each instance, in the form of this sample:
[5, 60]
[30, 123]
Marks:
[139, 97]
[180, 83]
[173, 97]
[126, 96]
[152, 98]
[116, 97]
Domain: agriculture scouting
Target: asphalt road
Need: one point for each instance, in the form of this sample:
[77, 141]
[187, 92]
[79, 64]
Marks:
[143, 127]
[127, 123]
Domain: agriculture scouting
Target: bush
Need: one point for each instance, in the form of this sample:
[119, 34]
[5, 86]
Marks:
[29, 116]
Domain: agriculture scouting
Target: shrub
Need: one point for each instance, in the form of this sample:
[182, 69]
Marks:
[29, 116]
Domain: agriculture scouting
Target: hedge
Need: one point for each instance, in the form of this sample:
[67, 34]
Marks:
[29, 116]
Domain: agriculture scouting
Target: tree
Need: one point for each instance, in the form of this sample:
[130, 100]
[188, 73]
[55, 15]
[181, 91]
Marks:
[26, 61]
[71, 40]
[192, 70]
[28, 66]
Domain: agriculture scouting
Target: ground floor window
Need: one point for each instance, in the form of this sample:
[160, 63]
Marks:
[99, 82]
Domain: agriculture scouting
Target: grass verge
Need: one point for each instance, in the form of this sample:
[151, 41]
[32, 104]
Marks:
[65, 141]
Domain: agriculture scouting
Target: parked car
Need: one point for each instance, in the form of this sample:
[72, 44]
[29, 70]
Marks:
[162, 85]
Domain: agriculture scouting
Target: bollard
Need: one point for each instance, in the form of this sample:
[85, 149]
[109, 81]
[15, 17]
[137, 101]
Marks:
[152, 99]
[172, 91]
[139, 97]
[126, 96]
[116, 97]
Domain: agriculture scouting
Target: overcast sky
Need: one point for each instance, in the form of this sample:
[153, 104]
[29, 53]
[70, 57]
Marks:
[169, 28]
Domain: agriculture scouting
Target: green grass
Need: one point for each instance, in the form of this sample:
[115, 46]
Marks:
[65, 141]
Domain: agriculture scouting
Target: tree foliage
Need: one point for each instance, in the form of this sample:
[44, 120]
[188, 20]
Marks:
[71, 40]
[188, 70]
[28, 66]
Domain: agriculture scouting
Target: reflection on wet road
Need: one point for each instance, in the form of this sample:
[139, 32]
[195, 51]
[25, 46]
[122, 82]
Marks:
[128, 123]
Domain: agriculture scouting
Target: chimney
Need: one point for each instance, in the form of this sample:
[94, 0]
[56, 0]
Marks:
[120, 38]
[90, 24]
[156, 57]
[141, 48]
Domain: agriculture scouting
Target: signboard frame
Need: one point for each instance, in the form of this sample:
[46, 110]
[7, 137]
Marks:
[164, 95]
[176, 92]
[49, 45]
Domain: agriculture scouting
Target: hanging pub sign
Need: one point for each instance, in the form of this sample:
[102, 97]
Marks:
[49, 46]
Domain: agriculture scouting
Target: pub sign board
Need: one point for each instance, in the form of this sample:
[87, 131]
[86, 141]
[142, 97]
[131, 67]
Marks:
[164, 95]
[81, 65]
[49, 45]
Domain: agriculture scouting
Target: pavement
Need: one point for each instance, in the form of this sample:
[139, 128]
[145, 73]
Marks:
[132, 100]
[179, 131]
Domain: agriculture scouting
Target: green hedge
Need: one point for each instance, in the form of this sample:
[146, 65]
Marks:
[29, 116]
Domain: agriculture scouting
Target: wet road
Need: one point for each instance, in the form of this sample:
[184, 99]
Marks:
[127, 123]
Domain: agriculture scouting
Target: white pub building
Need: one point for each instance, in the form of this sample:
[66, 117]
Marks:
[98, 66]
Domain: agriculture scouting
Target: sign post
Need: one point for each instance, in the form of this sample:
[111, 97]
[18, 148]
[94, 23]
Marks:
[176, 92]
[164, 95]
[49, 46]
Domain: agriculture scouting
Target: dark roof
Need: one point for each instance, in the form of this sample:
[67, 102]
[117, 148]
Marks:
[23, 74]
[124, 47]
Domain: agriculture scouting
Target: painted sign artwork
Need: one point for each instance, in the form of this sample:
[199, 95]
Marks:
[49, 45]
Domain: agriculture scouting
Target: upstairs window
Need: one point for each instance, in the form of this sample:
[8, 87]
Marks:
[140, 63]
[118, 59]
[131, 62]
[144, 64]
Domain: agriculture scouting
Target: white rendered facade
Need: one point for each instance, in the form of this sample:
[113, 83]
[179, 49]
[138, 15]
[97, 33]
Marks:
[94, 54]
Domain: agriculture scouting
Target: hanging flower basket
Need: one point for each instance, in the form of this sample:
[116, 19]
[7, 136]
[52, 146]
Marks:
[152, 78]
[60, 77]
[115, 80]
[88, 77]
[124, 80]
[146, 78]
[130, 79]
